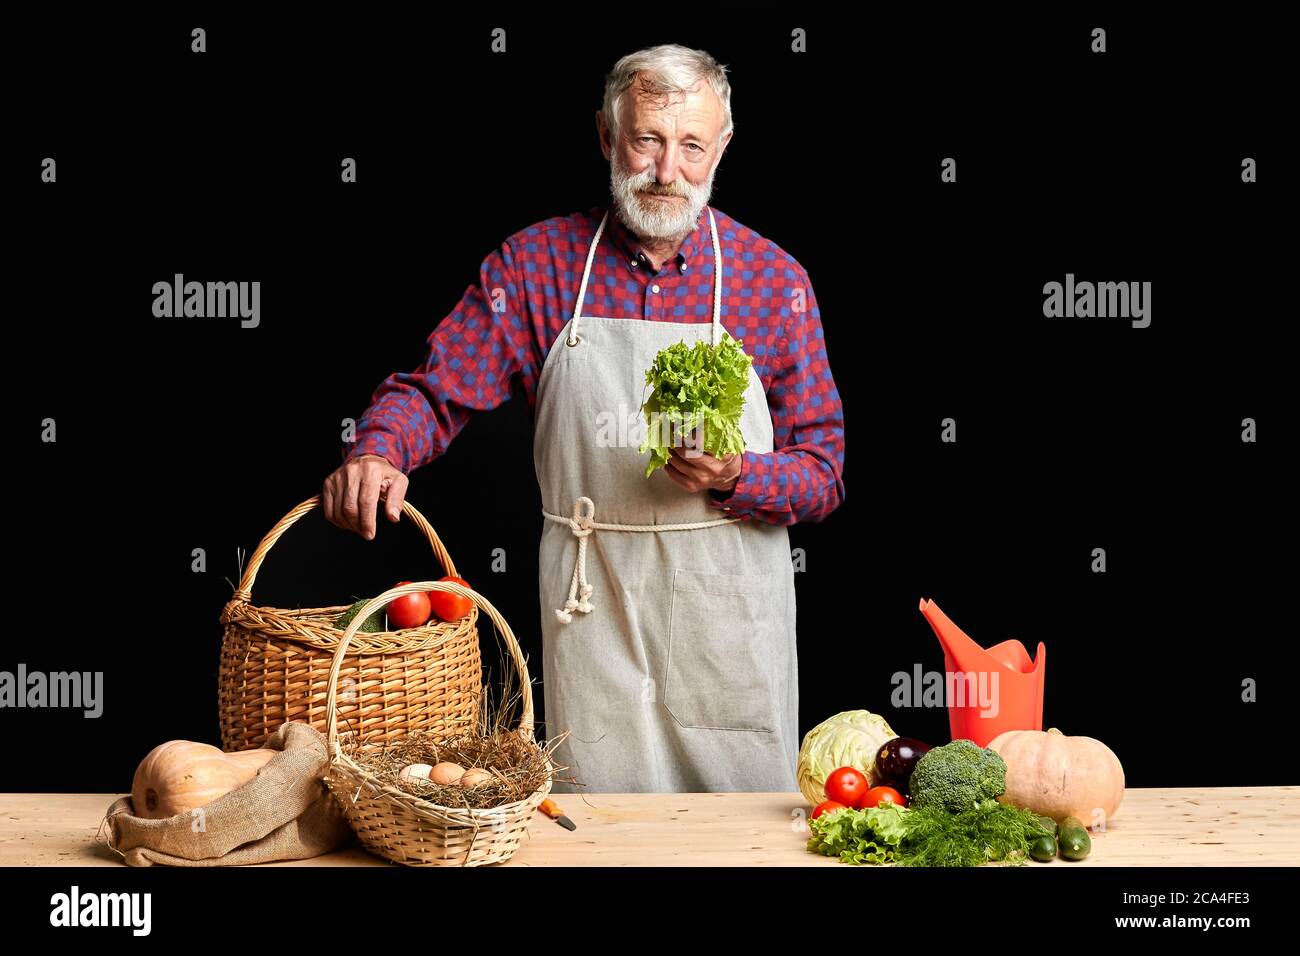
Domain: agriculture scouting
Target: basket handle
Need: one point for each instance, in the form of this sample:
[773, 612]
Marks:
[516, 655]
[245, 592]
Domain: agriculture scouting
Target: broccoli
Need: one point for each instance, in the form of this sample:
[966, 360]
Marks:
[374, 623]
[957, 776]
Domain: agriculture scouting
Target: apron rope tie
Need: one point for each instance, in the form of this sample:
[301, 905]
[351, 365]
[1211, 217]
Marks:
[584, 509]
[582, 524]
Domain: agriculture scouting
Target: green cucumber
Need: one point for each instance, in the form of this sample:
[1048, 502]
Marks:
[1043, 849]
[1049, 823]
[1074, 840]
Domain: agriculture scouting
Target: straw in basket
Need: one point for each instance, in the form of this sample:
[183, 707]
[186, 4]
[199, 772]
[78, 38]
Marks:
[403, 827]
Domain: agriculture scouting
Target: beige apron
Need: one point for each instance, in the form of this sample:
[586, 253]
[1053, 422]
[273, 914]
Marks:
[672, 661]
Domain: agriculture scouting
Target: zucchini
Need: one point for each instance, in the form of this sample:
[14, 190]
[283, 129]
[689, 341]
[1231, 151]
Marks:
[1075, 844]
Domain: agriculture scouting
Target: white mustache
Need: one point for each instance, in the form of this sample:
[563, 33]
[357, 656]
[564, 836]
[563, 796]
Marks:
[642, 180]
[663, 222]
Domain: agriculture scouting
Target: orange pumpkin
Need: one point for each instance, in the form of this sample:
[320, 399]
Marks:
[180, 775]
[1060, 776]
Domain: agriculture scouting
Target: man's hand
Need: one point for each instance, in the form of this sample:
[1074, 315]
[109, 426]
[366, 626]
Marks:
[697, 470]
[352, 493]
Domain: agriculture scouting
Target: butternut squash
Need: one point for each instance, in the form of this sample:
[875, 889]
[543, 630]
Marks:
[180, 775]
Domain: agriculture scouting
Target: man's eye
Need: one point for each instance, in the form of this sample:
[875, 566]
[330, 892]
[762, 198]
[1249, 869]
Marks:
[696, 146]
[645, 139]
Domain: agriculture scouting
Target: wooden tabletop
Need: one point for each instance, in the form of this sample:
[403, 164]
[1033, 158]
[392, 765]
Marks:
[1229, 826]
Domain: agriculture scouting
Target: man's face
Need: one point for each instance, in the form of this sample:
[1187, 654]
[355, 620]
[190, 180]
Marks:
[662, 165]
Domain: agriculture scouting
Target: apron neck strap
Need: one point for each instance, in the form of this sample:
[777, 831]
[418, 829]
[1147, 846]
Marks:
[717, 280]
[586, 274]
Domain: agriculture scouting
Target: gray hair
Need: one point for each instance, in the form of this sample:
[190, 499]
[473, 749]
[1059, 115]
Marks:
[666, 69]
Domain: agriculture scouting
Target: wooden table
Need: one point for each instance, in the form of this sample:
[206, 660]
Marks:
[1226, 826]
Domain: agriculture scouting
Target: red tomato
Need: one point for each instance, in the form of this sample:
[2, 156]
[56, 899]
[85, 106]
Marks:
[409, 610]
[827, 806]
[448, 606]
[847, 785]
[878, 795]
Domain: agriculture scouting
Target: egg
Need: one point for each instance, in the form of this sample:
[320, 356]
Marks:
[476, 778]
[446, 773]
[415, 771]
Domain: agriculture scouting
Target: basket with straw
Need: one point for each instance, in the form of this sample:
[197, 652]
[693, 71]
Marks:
[420, 823]
[276, 663]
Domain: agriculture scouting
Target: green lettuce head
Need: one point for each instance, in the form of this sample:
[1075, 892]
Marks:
[698, 391]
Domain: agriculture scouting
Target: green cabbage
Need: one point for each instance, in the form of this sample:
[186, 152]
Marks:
[851, 738]
[696, 386]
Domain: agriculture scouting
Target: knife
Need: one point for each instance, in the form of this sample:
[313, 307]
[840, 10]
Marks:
[550, 808]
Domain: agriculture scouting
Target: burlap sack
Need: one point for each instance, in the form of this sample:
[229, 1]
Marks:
[285, 813]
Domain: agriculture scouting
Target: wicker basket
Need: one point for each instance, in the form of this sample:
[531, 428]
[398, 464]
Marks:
[275, 664]
[408, 829]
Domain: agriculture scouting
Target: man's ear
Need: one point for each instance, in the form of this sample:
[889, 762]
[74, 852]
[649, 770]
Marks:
[725, 140]
[602, 131]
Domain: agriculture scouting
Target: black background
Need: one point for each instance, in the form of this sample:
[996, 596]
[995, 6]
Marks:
[1072, 434]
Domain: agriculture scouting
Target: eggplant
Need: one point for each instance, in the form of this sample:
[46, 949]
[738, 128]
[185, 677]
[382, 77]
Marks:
[895, 761]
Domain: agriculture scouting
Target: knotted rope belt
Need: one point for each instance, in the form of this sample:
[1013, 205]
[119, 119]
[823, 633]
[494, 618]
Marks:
[583, 523]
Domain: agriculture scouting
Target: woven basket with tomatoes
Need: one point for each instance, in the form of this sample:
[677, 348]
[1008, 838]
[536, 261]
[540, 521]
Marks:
[422, 672]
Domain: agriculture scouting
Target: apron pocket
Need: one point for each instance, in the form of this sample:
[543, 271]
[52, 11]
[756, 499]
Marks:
[725, 636]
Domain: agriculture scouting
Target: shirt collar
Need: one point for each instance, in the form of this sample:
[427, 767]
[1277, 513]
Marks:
[630, 247]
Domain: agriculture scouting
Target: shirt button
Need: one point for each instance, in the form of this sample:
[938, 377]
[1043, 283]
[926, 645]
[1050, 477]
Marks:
[632, 263]
[684, 266]
[654, 289]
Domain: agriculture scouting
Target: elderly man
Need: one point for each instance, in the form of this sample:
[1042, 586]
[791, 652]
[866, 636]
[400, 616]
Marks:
[668, 618]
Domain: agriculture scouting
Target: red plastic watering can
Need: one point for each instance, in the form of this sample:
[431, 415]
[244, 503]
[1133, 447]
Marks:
[998, 689]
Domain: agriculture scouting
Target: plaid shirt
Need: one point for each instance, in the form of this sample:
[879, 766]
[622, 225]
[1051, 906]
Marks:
[479, 353]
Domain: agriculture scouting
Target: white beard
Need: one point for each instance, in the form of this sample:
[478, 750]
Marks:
[651, 219]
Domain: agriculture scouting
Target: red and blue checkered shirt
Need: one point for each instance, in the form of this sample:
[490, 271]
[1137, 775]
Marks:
[478, 354]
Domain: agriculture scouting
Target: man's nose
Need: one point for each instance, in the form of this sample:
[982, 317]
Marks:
[666, 166]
